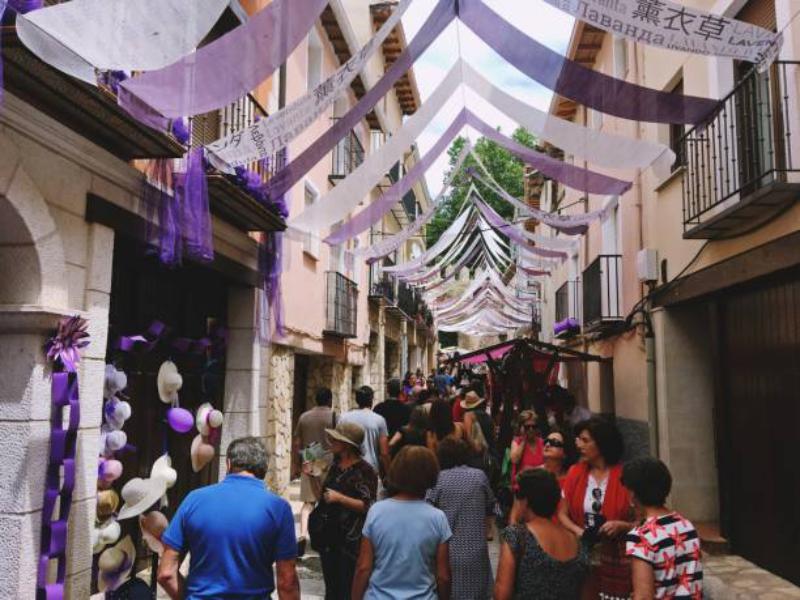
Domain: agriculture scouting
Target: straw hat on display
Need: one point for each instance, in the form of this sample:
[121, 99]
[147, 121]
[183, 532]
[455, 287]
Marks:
[169, 381]
[115, 565]
[104, 535]
[153, 525]
[202, 453]
[107, 504]
[140, 494]
[208, 418]
[349, 433]
[115, 382]
[471, 400]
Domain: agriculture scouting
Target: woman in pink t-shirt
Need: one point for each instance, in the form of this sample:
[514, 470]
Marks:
[527, 452]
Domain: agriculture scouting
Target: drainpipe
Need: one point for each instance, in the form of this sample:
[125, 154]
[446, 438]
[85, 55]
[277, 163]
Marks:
[652, 394]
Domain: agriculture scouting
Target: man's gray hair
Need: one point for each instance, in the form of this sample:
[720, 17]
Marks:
[248, 454]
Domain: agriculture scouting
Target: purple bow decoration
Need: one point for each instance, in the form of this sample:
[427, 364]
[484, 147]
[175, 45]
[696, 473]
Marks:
[146, 341]
[64, 348]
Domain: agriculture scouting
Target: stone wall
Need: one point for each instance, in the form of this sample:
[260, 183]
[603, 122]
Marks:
[278, 411]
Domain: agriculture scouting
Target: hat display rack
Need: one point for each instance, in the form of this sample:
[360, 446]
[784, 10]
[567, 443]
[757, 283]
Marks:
[133, 510]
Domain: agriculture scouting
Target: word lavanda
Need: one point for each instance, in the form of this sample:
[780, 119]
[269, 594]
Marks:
[669, 25]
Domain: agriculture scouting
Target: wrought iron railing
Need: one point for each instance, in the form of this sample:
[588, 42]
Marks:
[602, 293]
[234, 118]
[341, 306]
[744, 147]
[383, 287]
[407, 299]
[348, 154]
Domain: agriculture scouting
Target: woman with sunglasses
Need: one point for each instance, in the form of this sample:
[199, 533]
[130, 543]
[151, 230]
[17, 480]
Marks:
[597, 508]
[527, 452]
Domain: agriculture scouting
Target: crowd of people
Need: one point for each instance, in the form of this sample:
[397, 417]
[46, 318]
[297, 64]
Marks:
[402, 499]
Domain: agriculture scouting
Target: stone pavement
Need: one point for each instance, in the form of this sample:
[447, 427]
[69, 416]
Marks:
[732, 577]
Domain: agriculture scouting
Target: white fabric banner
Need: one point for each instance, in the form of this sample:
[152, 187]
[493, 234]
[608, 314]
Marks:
[667, 24]
[390, 244]
[596, 147]
[80, 36]
[267, 136]
[350, 192]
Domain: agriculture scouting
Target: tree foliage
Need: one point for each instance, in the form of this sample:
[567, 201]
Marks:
[505, 167]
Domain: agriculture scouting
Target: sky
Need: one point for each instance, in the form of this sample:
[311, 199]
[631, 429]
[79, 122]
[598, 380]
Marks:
[546, 24]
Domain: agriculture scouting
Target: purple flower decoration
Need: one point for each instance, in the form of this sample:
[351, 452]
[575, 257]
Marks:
[65, 346]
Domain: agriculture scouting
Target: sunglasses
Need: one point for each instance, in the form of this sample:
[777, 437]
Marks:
[597, 504]
[529, 426]
[555, 443]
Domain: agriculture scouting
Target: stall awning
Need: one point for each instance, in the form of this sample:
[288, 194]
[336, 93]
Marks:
[542, 349]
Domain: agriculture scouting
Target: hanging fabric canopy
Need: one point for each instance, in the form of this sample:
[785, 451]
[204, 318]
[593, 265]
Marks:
[576, 82]
[266, 136]
[224, 70]
[82, 36]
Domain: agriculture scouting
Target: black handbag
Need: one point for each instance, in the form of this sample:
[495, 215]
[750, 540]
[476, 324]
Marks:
[322, 527]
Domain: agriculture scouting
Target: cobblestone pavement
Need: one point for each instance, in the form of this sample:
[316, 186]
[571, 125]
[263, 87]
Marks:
[732, 577]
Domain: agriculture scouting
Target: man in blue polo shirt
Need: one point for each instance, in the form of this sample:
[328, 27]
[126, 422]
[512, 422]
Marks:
[233, 531]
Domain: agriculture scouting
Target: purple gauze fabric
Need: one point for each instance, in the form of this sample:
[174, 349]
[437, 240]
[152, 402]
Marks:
[161, 215]
[224, 70]
[191, 191]
[576, 82]
[575, 177]
[440, 18]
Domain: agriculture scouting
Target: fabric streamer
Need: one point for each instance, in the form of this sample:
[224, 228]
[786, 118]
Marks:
[442, 15]
[191, 196]
[64, 351]
[162, 213]
[515, 234]
[223, 71]
[82, 36]
[576, 82]
[267, 136]
[594, 146]
[666, 24]
[375, 211]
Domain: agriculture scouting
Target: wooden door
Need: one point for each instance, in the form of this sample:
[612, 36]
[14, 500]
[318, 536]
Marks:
[758, 412]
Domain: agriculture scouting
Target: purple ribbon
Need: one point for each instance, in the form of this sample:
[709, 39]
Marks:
[576, 82]
[440, 18]
[146, 341]
[224, 70]
[63, 441]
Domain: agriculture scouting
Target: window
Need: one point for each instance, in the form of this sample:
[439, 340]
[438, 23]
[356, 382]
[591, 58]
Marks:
[676, 131]
[610, 228]
[336, 254]
[620, 58]
[314, 74]
[311, 242]
[595, 119]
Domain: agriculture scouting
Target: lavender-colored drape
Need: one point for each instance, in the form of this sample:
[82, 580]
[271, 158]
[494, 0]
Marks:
[513, 233]
[576, 82]
[224, 70]
[191, 192]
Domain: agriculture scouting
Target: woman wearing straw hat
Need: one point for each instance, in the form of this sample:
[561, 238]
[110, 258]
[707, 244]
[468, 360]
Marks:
[350, 488]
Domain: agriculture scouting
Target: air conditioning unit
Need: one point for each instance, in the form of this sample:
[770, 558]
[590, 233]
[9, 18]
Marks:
[647, 265]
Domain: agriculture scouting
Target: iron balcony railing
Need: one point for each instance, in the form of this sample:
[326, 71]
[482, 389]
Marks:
[602, 292]
[348, 154]
[383, 287]
[341, 306]
[747, 145]
[234, 118]
[567, 301]
[407, 299]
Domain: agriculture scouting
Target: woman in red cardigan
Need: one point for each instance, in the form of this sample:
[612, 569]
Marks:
[597, 508]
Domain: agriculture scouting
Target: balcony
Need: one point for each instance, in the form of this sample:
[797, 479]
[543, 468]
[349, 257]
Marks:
[92, 112]
[382, 287]
[602, 294]
[230, 200]
[348, 154]
[341, 306]
[567, 317]
[740, 171]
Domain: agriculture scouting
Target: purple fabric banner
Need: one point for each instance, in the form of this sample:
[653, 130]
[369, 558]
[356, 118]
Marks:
[440, 18]
[224, 70]
[191, 192]
[576, 82]
[514, 234]
[571, 176]
[376, 210]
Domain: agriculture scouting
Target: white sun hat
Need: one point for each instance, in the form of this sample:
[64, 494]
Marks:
[140, 494]
[202, 453]
[105, 534]
[208, 418]
[169, 381]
